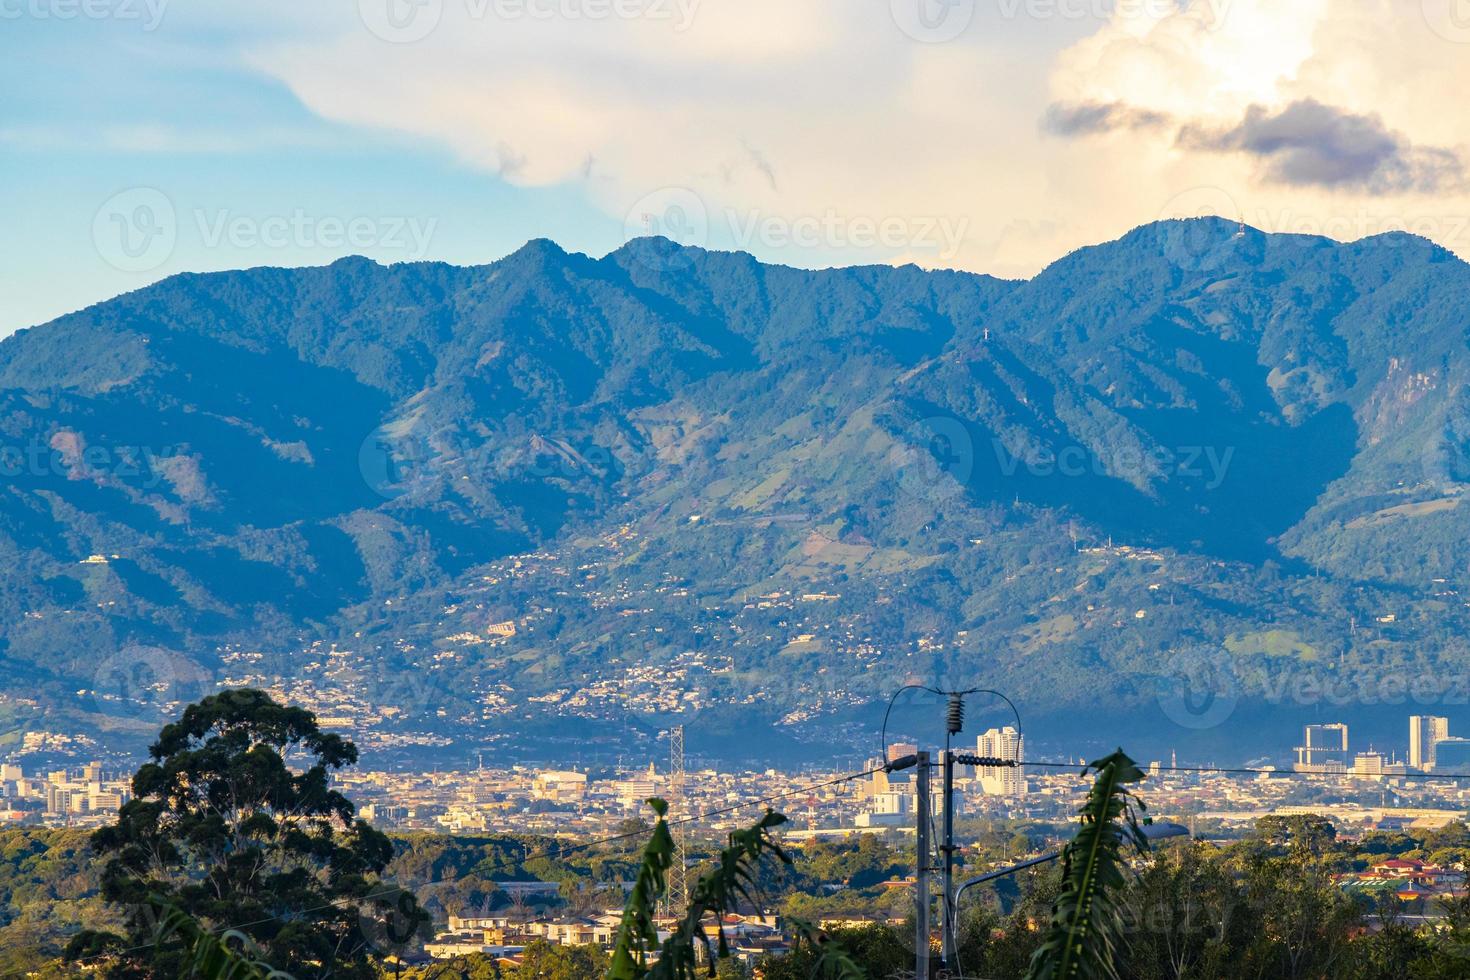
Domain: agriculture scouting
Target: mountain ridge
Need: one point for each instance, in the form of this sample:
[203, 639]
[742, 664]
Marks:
[363, 458]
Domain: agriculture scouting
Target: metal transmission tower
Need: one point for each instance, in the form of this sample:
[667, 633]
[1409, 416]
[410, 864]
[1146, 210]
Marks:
[678, 879]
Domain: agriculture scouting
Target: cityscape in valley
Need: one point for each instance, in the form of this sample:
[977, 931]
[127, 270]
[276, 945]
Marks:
[1424, 783]
[734, 489]
[1418, 786]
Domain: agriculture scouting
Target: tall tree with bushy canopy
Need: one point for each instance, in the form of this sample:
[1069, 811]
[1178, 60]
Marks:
[235, 822]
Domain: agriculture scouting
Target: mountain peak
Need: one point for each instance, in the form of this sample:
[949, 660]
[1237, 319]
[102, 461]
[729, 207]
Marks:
[362, 451]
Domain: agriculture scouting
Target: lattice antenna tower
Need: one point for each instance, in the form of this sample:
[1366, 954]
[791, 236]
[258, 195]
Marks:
[678, 878]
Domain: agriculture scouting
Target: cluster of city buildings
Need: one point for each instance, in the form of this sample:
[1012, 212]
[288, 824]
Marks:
[1406, 879]
[1432, 748]
[89, 796]
[889, 798]
[505, 936]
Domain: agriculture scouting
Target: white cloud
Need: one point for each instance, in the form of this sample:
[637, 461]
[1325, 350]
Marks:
[1283, 109]
[769, 108]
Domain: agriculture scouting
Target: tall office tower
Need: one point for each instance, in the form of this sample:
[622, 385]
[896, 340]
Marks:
[1325, 747]
[1001, 743]
[1425, 732]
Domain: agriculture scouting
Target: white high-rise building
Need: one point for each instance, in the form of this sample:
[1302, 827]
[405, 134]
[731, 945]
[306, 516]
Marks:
[1425, 732]
[1001, 743]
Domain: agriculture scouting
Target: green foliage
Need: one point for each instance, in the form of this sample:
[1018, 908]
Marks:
[716, 894]
[221, 826]
[206, 955]
[875, 951]
[1261, 907]
[48, 890]
[638, 932]
[1087, 920]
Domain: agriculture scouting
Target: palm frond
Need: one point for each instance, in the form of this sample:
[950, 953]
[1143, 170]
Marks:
[690, 950]
[1086, 930]
[208, 955]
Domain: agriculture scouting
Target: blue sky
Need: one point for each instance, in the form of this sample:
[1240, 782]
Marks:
[109, 108]
[139, 138]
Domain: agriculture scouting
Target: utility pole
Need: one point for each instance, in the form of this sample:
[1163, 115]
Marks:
[947, 925]
[922, 803]
[954, 724]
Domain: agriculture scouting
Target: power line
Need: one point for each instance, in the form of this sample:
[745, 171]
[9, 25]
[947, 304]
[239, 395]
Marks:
[1248, 771]
[552, 852]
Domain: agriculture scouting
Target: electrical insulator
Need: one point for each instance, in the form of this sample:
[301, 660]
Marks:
[955, 716]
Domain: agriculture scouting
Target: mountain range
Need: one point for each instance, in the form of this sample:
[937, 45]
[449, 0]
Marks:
[1196, 485]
